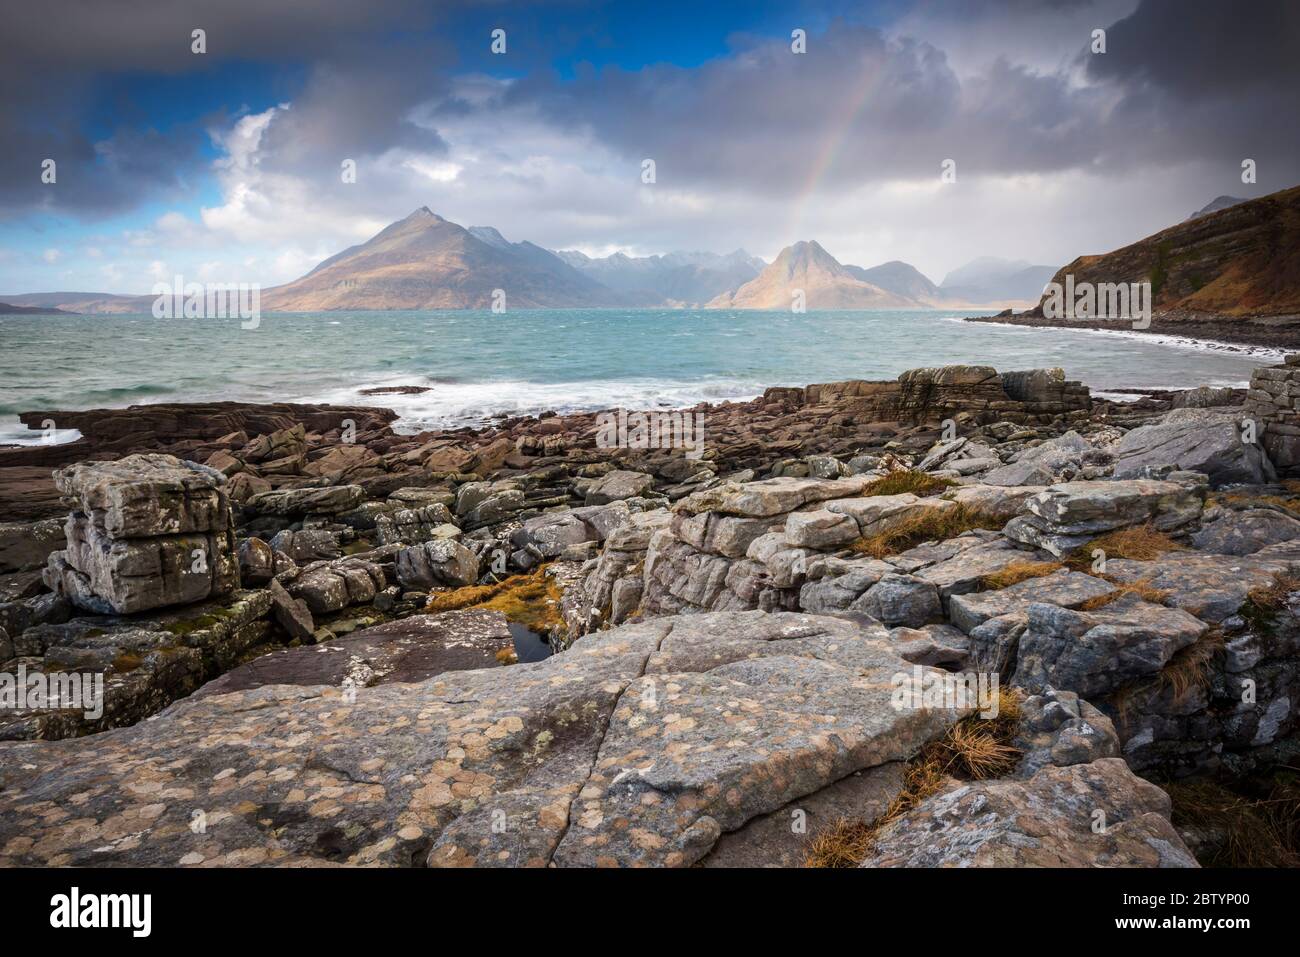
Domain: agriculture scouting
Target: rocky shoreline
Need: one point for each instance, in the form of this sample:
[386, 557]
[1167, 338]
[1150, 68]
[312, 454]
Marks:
[310, 630]
[1270, 335]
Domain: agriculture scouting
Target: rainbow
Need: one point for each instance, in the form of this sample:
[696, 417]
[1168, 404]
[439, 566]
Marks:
[837, 133]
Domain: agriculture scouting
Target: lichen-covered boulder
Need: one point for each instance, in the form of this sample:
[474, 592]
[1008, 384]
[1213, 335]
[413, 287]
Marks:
[1085, 815]
[442, 562]
[1195, 440]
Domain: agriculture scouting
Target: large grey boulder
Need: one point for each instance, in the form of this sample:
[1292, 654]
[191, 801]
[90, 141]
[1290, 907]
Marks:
[836, 584]
[1063, 517]
[148, 531]
[901, 600]
[330, 586]
[618, 485]
[147, 495]
[551, 534]
[1049, 820]
[1058, 728]
[1096, 652]
[438, 563]
[820, 528]
[1245, 532]
[1055, 460]
[1196, 440]
[411, 526]
[308, 544]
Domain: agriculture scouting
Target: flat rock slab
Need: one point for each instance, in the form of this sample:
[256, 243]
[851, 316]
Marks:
[1246, 532]
[1088, 507]
[736, 717]
[1063, 517]
[932, 553]
[963, 573]
[1211, 587]
[782, 838]
[1000, 502]
[615, 751]
[407, 650]
[769, 497]
[880, 513]
[146, 495]
[295, 775]
[301, 501]
[145, 664]
[1045, 821]
[1065, 588]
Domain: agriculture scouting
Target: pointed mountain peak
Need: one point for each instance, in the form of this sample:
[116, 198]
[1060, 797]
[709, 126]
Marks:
[808, 252]
[424, 214]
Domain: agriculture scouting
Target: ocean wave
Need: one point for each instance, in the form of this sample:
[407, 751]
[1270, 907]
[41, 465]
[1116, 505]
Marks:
[13, 432]
[452, 405]
[121, 393]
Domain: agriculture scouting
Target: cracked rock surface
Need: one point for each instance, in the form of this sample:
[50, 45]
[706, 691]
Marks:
[639, 745]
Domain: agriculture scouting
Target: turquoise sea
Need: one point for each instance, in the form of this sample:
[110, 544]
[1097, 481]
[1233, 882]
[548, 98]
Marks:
[477, 364]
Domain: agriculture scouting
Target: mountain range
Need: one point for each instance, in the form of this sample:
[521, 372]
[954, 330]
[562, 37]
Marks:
[678, 278]
[824, 282]
[988, 279]
[427, 262]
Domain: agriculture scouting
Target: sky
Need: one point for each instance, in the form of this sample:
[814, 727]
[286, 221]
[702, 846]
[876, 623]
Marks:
[227, 165]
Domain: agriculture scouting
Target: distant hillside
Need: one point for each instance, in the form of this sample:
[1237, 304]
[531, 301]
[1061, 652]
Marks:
[1221, 202]
[81, 303]
[1239, 262]
[8, 309]
[991, 280]
[826, 284]
[900, 278]
[427, 262]
[677, 278]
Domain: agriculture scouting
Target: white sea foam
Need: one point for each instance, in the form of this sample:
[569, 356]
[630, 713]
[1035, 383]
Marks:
[13, 432]
[454, 404]
[1266, 355]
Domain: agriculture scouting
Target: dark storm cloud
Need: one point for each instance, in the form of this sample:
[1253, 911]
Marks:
[1180, 82]
[868, 107]
[1206, 79]
[1186, 81]
[56, 58]
[1195, 50]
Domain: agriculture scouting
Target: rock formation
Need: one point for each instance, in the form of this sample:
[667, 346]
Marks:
[730, 633]
[147, 531]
